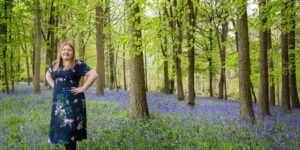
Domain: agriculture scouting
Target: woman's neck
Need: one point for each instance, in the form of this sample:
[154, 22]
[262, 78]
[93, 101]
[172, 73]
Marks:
[66, 62]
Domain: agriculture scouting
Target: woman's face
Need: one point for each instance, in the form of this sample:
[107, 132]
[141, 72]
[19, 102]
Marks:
[66, 53]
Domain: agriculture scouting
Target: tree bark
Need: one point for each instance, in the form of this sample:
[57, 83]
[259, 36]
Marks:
[175, 22]
[111, 65]
[272, 85]
[124, 68]
[264, 81]
[146, 74]
[3, 39]
[100, 83]
[180, 93]
[124, 54]
[138, 101]
[37, 54]
[246, 108]
[293, 82]
[172, 81]
[191, 53]
[285, 96]
[223, 59]
[210, 63]
[164, 49]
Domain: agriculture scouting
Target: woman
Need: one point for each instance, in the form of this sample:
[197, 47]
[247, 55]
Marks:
[68, 116]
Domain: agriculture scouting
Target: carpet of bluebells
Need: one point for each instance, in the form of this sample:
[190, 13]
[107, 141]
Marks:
[211, 124]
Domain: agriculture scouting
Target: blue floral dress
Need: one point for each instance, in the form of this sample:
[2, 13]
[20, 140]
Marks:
[68, 116]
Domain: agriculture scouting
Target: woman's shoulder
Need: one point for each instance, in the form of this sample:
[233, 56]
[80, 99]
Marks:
[54, 62]
[79, 62]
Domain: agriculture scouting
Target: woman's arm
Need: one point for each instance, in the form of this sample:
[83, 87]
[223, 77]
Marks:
[92, 76]
[49, 79]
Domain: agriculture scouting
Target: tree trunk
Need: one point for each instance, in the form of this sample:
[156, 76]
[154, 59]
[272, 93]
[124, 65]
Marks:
[146, 74]
[191, 53]
[27, 65]
[81, 48]
[223, 59]
[25, 51]
[100, 51]
[111, 64]
[210, 63]
[246, 108]
[124, 54]
[236, 35]
[172, 81]
[111, 57]
[12, 68]
[138, 101]
[252, 91]
[264, 81]
[37, 54]
[33, 56]
[115, 70]
[124, 68]
[180, 93]
[285, 96]
[293, 82]
[164, 49]
[272, 85]
[3, 39]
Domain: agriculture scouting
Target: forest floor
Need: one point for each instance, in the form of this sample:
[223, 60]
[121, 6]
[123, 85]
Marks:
[211, 124]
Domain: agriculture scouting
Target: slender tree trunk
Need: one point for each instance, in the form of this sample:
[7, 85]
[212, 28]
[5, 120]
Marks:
[272, 85]
[111, 57]
[3, 39]
[111, 65]
[33, 57]
[285, 96]
[25, 51]
[166, 77]
[223, 59]
[252, 91]
[11, 62]
[190, 42]
[210, 63]
[278, 92]
[146, 74]
[164, 48]
[172, 81]
[264, 81]
[175, 22]
[115, 70]
[246, 108]
[49, 50]
[27, 65]
[124, 54]
[100, 51]
[180, 93]
[293, 82]
[81, 48]
[37, 54]
[124, 68]
[236, 35]
[138, 101]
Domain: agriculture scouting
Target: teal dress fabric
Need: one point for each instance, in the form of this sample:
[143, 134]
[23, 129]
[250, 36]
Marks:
[68, 116]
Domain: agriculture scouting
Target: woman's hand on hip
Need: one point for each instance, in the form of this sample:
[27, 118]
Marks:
[77, 90]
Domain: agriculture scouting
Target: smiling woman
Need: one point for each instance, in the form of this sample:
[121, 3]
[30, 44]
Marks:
[68, 117]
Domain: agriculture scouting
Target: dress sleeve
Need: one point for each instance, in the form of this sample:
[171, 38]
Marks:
[84, 68]
[50, 69]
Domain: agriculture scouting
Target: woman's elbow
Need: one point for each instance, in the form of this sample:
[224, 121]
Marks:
[95, 75]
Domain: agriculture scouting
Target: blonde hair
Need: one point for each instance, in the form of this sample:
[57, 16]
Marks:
[59, 60]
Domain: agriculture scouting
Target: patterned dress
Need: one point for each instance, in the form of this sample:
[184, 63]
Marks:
[68, 116]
